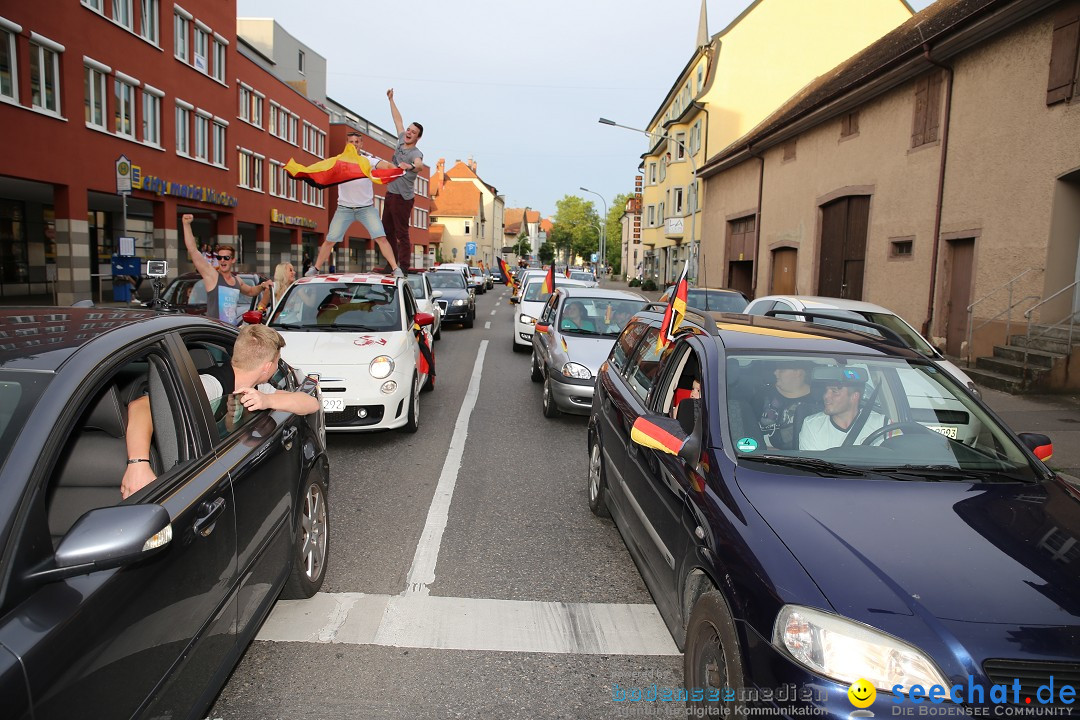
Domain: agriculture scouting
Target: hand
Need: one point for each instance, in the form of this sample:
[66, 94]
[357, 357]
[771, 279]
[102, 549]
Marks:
[136, 477]
[252, 399]
[405, 166]
[390, 94]
[187, 218]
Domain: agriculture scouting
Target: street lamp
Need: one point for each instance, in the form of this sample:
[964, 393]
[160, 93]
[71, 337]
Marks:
[603, 230]
[694, 248]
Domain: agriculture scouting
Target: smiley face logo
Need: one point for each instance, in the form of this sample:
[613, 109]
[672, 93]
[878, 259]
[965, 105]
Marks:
[861, 694]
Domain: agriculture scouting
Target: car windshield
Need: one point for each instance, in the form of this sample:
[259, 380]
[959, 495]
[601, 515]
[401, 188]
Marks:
[349, 306]
[476, 271]
[19, 392]
[446, 279]
[534, 290]
[599, 316]
[716, 300]
[582, 275]
[416, 282]
[902, 418]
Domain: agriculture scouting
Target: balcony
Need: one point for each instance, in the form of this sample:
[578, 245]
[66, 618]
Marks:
[673, 227]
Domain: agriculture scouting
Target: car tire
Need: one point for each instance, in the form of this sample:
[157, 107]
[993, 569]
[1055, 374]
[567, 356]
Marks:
[537, 374]
[429, 384]
[467, 323]
[517, 348]
[712, 657]
[437, 335]
[312, 547]
[597, 481]
[412, 422]
[550, 409]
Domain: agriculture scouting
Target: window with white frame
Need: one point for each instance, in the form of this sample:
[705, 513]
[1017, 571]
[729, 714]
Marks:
[272, 121]
[420, 218]
[290, 187]
[650, 216]
[202, 135]
[94, 5]
[301, 62]
[244, 112]
[663, 168]
[180, 37]
[151, 115]
[9, 69]
[421, 188]
[245, 167]
[293, 125]
[700, 78]
[652, 173]
[680, 146]
[277, 179]
[695, 138]
[45, 73]
[94, 87]
[256, 115]
[660, 213]
[219, 142]
[200, 48]
[122, 13]
[150, 23]
[183, 128]
[312, 196]
[677, 209]
[124, 112]
[219, 58]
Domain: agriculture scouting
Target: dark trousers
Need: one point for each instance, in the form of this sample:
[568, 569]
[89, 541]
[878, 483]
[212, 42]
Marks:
[397, 211]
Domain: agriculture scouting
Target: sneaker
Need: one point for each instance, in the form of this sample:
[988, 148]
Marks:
[312, 272]
[398, 272]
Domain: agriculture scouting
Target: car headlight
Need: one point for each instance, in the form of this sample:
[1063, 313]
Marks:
[527, 319]
[459, 302]
[846, 651]
[381, 367]
[575, 370]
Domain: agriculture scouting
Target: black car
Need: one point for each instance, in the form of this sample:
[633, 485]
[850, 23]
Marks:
[141, 607]
[458, 303]
[872, 547]
[187, 293]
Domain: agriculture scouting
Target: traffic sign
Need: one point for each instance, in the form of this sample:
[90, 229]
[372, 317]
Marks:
[470, 249]
[123, 176]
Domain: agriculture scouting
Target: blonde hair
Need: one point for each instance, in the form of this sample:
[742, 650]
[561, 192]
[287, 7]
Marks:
[255, 346]
[279, 278]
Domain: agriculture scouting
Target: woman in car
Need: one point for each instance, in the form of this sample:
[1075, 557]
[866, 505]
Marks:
[575, 318]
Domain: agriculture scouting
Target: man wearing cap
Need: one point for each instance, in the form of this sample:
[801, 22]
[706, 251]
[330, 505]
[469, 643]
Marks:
[844, 390]
[787, 404]
[356, 203]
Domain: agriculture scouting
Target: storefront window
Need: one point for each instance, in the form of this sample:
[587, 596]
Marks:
[14, 268]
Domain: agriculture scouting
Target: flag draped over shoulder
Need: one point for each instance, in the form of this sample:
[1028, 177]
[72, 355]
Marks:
[675, 312]
[507, 275]
[349, 165]
[548, 286]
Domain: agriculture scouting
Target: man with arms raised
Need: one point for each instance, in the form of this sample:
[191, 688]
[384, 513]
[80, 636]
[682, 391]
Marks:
[223, 288]
[398, 206]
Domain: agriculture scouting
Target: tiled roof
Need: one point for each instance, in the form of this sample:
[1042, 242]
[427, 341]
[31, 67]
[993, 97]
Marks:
[457, 199]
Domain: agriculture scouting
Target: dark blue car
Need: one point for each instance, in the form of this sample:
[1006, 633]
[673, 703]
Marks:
[835, 508]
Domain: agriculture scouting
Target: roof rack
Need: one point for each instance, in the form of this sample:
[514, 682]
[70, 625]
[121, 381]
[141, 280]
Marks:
[887, 332]
[701, 317]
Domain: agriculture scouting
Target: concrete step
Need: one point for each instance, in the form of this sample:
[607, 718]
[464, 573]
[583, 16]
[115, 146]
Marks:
[1050, 345]
[995, 380]
[1035, 358]
[1010, 368]
[1058, 332]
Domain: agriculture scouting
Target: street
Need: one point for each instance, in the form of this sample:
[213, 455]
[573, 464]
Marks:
[530, 606]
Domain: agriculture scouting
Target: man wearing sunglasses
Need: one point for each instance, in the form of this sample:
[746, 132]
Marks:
[223, 287]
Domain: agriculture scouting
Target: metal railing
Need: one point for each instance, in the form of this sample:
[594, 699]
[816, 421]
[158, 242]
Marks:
[971, 328]
[1069, 319]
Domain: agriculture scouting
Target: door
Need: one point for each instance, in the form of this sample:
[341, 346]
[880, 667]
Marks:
[741, 251]
[783, 271]
[741, 276]
[961, 256]
[844, 224]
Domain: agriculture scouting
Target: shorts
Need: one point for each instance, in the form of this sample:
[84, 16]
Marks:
[346, 216]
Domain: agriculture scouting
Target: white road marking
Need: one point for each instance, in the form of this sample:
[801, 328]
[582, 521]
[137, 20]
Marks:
[493, 312]
[425, 621]
[497, 304]
[422, 572]
[487, 325]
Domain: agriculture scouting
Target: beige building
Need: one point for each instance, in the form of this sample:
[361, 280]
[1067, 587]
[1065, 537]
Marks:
[486, 228]
[732, 82]
[933, 173]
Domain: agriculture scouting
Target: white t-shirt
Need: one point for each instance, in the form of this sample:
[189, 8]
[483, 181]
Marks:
[359, 192]
[819, 432]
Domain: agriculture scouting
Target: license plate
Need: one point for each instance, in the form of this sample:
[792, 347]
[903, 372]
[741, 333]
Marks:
[333, 404]
[949, 432]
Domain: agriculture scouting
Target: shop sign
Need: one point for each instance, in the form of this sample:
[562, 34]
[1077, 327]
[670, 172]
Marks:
[159, 186]
[284, 219]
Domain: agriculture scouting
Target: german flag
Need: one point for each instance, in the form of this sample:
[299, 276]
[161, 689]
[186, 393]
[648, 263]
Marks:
[675, 312]
[349, 165]
[507, 275]
[548, 285]
[659, 433]
[426, 364]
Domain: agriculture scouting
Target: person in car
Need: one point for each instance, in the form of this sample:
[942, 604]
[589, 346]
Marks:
[254, 361]
[223, 287]
[284, 276]
[787, 403]
[574, 318]
[842, 397]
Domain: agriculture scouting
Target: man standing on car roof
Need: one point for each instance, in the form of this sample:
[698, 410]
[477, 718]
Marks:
[398, 205]
[223, 287]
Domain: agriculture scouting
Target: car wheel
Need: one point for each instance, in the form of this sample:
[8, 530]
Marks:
[518, 348]
[438, 332]
[412, 424]
[312, 546]
[467, 323]
[550, 410]
[712, 658]
[537, 374]
[597, 482]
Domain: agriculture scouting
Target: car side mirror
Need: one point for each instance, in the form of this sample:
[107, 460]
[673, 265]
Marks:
[436, 294]
[1039, 444]
[541, 328]
[107, 538]
[424, 319]
[666, 435]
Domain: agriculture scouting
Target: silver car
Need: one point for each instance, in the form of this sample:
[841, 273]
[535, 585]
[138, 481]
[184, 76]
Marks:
[572, 339]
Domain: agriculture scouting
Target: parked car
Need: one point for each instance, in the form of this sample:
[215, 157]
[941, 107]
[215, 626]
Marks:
[902, 559]
[497, 276]
[573, 337]
[427, 300]
[711, 299]
[530, 305]
[187, 292]
[522, 277]
[141, 607]
[458, 303]
[354, 332]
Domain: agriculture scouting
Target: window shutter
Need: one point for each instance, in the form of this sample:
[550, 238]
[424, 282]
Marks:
[918, 131]
[933, 107]
[1061, 84]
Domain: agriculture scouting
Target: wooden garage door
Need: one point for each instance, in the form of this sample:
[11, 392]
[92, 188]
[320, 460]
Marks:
[844, 224]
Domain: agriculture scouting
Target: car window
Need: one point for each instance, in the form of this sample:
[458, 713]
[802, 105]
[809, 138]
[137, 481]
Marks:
[353, 306]
[416, 282]
[642, 368]
[716, 301]
[625, 345]
[446, 279]
[548, 316]
[189, 291]
[759, 307]
[19, 392]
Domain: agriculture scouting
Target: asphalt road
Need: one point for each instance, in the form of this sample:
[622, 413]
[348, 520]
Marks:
[523, 605]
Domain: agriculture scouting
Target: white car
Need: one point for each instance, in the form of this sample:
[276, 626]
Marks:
[585, 276]
[426, 299]
[523, 277]
[473, 282]
[955, 422]
[354, 332]
[531, 305]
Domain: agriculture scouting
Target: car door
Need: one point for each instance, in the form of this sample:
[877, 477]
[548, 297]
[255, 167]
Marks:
[262, 454]
[153, 637]
[542, 342]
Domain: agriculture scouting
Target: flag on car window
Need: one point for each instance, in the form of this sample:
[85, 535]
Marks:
[548, 285]
[507, 275]
[659, 433]
[675, 312]
[426, 364]
[349, 165]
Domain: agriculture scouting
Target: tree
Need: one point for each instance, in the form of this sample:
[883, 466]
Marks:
[614, 231]
[574, 227]
[522, 248]
[546, 253]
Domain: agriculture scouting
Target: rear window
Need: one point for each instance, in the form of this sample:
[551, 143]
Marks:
[19, 392]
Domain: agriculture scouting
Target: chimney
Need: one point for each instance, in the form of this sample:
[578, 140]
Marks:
[441, 166]
[472, 164]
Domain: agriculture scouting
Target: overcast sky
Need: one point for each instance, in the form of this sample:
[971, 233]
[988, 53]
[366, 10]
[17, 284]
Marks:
[518, 86]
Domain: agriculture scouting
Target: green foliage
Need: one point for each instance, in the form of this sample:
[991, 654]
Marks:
[649, 285]
[521, 247]
[546, 253]
[574, 227]
[635, 282]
